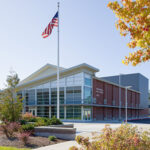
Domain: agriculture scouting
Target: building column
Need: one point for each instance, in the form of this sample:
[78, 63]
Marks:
[36, 97]
[82, 113]
[36, 111]
[64, 112]
[82, 89]
[50, 112]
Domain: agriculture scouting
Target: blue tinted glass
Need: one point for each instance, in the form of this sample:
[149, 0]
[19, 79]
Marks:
[87, 81]
[87, 95]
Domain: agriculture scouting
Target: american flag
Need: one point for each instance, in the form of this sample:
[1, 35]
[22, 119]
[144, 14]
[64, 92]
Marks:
[49, 28]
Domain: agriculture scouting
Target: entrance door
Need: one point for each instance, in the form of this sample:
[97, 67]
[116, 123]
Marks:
[32, 110]
[87, 114]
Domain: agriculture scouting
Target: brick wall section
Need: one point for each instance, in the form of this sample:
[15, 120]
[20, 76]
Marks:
[102, 91]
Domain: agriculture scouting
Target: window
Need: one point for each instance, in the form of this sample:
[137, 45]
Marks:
[54, 111]
[43, 96]
[73, 112]
[88, 81]
[54, 95]
[87, 95]
[73, 95]
[30, 97]
[42, 111]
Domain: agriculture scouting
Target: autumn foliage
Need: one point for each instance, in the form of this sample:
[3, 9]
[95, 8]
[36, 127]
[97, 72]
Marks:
[126, 137]
[134, 20]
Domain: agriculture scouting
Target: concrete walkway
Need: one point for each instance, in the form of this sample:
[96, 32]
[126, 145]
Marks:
[60, 146]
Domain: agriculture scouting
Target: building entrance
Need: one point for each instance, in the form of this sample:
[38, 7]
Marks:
[87, 114]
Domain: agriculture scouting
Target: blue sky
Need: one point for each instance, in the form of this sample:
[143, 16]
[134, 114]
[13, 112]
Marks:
[87, 34]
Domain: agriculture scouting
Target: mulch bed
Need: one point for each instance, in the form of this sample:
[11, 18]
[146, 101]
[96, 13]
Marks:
[34, 142]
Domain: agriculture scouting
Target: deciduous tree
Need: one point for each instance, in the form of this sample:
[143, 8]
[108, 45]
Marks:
[134, 20]
[10, 102]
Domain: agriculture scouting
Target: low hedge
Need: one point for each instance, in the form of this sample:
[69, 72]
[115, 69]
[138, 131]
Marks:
[28, 127]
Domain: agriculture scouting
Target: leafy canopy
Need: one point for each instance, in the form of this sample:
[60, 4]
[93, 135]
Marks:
[134, 19]
[10, 102]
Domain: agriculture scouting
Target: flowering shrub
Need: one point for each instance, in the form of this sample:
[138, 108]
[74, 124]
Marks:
[10, 128]
[24, 137]
[126, 137]
[28, 117]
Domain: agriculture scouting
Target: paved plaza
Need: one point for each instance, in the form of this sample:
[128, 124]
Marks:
[86, 129]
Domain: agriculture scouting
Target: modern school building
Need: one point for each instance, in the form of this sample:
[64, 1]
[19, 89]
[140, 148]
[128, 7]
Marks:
[83, 96]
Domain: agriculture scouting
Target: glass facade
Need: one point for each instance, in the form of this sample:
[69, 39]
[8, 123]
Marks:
[73, 95]
[43, 96]
[87, 95]
[87, 81]
[54, 111]
[75, 89]
[42, 111]
[73, 112]
[30, 97]
[54, 95]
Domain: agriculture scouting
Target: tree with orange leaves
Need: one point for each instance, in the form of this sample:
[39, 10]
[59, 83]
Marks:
[134, 20]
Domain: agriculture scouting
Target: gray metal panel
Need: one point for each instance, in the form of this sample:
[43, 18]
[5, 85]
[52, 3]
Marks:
[138, 83]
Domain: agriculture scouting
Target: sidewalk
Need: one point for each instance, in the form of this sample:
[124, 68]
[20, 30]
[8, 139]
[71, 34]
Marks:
[60, 146]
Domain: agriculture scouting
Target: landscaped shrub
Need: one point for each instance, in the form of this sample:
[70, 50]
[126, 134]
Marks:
[52, 138]
[24, 137]
[126, 137]
[22, 122]
[10, 128]
[28, 117]
[28, 127]
[40, 122]
[55, 121]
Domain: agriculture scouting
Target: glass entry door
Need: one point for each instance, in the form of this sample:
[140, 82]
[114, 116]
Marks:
[87, 114]
[32, 110]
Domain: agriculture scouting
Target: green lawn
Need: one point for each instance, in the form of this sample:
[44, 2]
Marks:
[12, 148]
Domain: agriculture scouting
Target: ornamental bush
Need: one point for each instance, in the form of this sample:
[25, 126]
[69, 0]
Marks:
[9, 129]
[29, 117]
[55, 121]
[28, 127]
[52, 138]
[24, 137]
[126, 137]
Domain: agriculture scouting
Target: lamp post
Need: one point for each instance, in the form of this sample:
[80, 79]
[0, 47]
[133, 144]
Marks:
[126, 96]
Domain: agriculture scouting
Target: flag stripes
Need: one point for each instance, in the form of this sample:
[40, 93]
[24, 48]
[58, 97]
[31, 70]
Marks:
[49, 28]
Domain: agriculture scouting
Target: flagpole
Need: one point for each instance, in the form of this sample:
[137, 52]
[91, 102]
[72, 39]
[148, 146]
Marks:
[58, 69]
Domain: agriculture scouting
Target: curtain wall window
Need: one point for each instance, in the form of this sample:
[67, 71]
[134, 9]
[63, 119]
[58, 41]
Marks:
[43, 96]
[30, 97]
[73, 95]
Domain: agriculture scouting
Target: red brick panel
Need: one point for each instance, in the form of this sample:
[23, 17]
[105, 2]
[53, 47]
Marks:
[123, 113]
[116, 95]
[109, 113]
[129, 100]
[133, 113]
[98, 113]
[134, 99]
[109, 94]
[122, 97]
[129, 113]
[98, 91]
[137, 99]
[115, 113]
